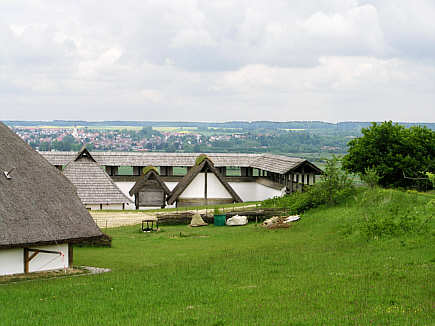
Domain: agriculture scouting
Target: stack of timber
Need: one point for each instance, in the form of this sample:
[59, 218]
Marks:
[175, 218]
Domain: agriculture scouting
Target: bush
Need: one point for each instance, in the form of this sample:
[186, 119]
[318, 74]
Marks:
[370, 177]
[334, 186]
[392, 213]
[431, 177]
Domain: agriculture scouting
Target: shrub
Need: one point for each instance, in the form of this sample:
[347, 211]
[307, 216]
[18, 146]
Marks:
[370, 177]
[148, 168]
[334, 186]
[391, 213]
[431, 177]
[200, 159]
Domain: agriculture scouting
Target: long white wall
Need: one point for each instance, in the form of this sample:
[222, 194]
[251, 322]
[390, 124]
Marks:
[248, 191]
[215, 189]
[252, 191]
[12, 260]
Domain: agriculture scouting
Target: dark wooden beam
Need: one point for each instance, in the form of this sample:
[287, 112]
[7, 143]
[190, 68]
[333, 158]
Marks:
[26, 260]
[70, 255]
[205, 186]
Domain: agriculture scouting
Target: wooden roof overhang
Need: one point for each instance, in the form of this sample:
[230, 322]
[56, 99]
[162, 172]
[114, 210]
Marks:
[150, 175]
[306, 167]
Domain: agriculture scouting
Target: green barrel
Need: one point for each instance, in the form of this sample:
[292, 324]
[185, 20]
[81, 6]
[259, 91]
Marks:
[219, 220]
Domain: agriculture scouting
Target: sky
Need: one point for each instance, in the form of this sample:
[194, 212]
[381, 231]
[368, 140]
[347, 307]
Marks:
[192, 60]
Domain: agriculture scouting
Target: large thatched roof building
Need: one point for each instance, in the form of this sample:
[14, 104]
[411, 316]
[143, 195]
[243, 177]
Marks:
[94, 186]
[252, 176]
[40, 212]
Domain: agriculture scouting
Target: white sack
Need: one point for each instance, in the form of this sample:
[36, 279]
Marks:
[237, 220]
[197, 220]
[292, 218]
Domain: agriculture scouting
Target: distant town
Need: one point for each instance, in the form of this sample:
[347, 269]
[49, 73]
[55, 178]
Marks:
[311, 140]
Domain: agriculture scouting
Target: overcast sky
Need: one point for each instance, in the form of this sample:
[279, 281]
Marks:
[331, 60]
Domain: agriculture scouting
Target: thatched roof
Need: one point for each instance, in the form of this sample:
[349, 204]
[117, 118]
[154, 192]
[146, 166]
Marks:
[150, 174]
[205, 165]
[268, 162]
[94, 185]
[38, 205]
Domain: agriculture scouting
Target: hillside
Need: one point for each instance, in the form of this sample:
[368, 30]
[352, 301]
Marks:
[322, 270]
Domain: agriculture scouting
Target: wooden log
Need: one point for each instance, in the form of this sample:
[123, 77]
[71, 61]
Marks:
[185, 217]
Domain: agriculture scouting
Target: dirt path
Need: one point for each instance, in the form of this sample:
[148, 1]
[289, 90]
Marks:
[123, 218]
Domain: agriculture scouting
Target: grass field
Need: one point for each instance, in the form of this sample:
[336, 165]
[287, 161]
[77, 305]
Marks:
[310, 274]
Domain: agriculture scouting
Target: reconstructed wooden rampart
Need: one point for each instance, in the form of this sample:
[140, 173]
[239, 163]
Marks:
[275, 171]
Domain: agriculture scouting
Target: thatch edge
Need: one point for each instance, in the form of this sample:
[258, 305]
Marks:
[140, 183]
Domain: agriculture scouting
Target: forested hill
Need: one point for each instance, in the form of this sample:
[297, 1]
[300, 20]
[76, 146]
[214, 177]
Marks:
[253, 125]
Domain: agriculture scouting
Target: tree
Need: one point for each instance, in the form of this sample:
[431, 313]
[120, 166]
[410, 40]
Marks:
[394, 152]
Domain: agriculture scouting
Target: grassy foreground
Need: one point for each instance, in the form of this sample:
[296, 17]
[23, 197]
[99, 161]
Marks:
[311, 274]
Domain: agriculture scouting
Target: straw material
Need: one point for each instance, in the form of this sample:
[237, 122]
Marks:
[38, 205]
[94, 185]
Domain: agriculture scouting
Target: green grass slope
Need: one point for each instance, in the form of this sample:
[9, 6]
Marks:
[314, 273]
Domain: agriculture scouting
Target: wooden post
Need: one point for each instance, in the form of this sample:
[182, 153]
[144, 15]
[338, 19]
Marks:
[26, 260]
[70, 255]
[205, 187]
[291, 182]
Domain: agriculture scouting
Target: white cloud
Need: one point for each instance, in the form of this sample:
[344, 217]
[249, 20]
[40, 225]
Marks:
[223, 60]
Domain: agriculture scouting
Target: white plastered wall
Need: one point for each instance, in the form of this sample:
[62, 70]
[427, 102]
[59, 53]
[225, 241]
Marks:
[12, 260]
[125, 187]
[215, 189]
[252, 191]
[248, 191]
[46, 262]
